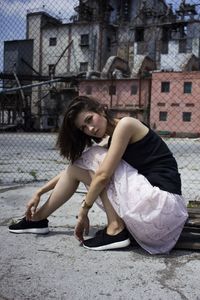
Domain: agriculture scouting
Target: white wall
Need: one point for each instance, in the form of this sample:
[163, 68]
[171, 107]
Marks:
[175, 60]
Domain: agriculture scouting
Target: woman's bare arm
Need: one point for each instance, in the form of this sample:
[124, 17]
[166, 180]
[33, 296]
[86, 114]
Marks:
[34, 201]
[128, 130]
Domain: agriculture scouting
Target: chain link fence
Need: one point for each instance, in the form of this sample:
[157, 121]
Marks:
[140, 57]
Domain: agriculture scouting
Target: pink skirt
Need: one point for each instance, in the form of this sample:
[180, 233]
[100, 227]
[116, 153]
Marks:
[155, 218]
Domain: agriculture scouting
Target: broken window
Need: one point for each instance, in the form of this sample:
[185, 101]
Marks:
[187, 88]
[84, 40]
[165, 87]
[187, 116]
[83, 66]
[52, 41]
[163, 116]
[139, 34]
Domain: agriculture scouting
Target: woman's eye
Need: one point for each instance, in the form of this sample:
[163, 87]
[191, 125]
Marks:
[89, 119]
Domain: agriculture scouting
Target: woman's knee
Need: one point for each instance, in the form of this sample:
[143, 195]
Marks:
[80, 174]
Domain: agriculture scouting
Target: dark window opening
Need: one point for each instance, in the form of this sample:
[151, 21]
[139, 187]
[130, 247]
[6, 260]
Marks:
[112, 90]
[187, 116]
[51, 70]
[165, 87]
[183, 31]
[88, 90]
[166, 34]
[183, 46]
[163, 116]
[139, 34]
[164, 47]
[51, 121]
[84, 40]
[187, 88]
[52, 41]
[83, 66]
[161, 104]
[134, 89]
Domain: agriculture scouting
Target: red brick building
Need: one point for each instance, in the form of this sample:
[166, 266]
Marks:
[123, 96]
[175, 103]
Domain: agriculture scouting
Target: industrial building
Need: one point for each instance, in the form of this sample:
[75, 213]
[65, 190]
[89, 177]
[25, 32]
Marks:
[108, 49]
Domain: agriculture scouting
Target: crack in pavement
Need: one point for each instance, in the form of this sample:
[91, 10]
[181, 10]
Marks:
[169, 272]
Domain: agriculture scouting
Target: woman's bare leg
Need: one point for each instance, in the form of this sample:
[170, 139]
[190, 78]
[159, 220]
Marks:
[63, 191]
[115, 223]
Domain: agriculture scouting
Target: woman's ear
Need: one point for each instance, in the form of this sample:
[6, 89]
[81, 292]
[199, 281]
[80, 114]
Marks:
[103, 112]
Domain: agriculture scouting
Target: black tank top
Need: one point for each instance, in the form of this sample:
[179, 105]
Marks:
[153, 159]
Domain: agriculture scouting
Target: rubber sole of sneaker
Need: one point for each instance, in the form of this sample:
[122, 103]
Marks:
[112, 246]
[31, 230]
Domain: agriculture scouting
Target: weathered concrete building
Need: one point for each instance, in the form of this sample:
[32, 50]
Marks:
[140, 35]
[15, 107]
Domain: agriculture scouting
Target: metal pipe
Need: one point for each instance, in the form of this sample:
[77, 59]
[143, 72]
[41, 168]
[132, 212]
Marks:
[21, 103]
[30, 86]
[63, 53]
[27, 64]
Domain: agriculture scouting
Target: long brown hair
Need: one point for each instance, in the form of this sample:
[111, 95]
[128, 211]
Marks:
[72, 141]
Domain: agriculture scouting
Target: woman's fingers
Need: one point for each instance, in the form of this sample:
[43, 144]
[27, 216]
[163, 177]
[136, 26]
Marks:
[79, 232]
[31, 207]
[30, 211]
[87, 226]
[82, 227]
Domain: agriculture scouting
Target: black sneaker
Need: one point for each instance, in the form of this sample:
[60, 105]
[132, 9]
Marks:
[24, 226]
[100, 231]
[104, 241]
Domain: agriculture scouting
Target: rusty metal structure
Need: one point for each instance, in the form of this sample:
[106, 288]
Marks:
[103, 39]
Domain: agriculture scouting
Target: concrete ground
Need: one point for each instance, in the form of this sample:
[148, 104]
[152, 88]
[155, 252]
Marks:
[55, 266]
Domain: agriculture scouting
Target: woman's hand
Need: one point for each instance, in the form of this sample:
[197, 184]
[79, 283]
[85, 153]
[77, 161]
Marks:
[83, 224]
[31, 206]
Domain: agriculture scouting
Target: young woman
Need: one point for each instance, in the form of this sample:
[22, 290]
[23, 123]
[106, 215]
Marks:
[135, 180]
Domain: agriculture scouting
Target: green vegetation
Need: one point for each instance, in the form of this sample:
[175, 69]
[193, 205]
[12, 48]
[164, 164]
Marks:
[34, 174]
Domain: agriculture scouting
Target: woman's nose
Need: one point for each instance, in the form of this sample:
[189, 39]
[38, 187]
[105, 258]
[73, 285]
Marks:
[91, 128]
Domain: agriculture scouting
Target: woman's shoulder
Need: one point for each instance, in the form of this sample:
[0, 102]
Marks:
[132, 125]
[129, 120]
[129, 123]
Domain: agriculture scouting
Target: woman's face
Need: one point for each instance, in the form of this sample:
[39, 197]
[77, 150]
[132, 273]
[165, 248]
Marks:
[91, 123]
